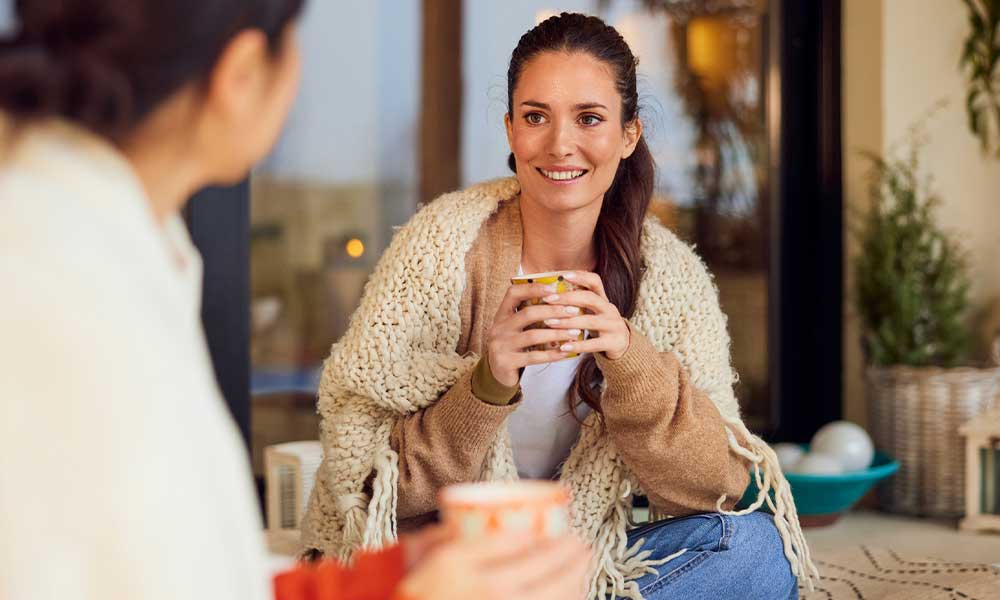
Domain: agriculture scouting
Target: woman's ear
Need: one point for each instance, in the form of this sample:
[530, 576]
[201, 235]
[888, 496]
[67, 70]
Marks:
[510, 130]
[239, 76]
[633, 133]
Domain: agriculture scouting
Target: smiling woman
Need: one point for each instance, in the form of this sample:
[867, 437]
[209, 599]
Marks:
[439, 380]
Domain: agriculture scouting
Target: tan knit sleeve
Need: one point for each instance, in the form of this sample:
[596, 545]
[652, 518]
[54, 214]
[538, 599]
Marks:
[669, 432]
[445, 443]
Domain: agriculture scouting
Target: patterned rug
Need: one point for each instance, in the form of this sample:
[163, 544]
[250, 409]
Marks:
[872, 573]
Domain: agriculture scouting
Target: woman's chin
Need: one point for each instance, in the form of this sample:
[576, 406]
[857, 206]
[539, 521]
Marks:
[559, 197]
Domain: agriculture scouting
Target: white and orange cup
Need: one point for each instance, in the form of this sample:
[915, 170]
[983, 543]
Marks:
[558, 279]
[539, 509]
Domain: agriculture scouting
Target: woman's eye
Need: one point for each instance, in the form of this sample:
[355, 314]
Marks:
[534, 118]
[590, 120]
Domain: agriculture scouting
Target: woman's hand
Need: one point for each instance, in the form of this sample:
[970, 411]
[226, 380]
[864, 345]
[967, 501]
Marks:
[608, 331]
[420, 544]
[498, 568]
[507, 339]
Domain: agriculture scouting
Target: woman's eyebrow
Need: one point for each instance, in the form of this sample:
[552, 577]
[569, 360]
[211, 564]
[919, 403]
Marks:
[581, 106]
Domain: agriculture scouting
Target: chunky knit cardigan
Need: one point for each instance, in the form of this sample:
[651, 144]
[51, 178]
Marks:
[399, 356]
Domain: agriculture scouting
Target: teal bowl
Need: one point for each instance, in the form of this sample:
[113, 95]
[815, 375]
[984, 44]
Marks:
[822, 499]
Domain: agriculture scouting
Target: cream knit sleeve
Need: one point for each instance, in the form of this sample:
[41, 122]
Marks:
[678, 296]
[396, 358]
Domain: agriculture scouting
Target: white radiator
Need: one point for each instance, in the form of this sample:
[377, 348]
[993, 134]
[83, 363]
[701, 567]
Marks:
[290, 472]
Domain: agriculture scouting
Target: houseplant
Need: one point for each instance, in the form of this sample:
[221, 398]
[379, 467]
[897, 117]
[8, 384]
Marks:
[980, 62]
[911, 292]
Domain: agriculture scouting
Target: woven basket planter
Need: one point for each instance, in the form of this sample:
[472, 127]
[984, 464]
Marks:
[914, 415]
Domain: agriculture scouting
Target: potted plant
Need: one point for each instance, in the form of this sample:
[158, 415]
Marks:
[911, 292]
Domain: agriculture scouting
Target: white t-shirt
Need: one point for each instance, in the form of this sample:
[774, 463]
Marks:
[122, 474]
[542, 430]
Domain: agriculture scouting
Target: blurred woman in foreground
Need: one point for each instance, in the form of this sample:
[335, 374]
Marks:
[122, 474]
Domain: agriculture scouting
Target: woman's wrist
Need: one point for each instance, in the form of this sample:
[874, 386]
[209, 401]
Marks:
[486, 387]
[610, 355]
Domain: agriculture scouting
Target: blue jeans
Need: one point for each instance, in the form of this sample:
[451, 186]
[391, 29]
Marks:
[727, 557]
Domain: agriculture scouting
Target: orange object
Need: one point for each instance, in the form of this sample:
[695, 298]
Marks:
[537, 508]
[373, 576]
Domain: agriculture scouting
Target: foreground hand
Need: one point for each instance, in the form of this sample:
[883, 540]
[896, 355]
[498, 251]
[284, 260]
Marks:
[608, 331]
[420, 544]
[499, 568]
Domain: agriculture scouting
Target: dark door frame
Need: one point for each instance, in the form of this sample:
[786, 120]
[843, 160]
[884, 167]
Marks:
[219, 222]
[807, 253]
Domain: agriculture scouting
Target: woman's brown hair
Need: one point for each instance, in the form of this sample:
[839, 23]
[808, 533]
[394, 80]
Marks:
[619, 227]
[106, 64]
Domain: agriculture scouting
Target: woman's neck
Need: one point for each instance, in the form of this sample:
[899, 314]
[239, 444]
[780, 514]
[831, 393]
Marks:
[168, 182]
[166, 159]
[558, 241]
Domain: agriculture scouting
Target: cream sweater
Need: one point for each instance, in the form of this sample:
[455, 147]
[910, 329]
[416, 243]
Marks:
[122, 474]
[408, 354]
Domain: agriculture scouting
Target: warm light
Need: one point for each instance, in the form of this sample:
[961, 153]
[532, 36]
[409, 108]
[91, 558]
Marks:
[355, 248]
[712, 49]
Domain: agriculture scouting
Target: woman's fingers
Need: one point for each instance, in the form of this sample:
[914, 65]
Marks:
[592, 323]
[545, 562]
[516, 294]
[572, 583]
[538, 314]
[582, 299]
[493, 550]
[540, 357]
[592, 345]
[569, 582]
[417, 545]
[551, 339]
[591, 281]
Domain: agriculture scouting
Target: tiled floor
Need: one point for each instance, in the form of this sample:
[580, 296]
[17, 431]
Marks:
[933, 538]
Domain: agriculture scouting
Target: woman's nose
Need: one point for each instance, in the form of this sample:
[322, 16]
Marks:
[560, 142]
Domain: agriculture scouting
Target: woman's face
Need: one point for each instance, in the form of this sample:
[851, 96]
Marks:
[565, 130]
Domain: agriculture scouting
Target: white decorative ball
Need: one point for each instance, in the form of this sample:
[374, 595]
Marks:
[848, 442]
[788, 454]
[817, 463]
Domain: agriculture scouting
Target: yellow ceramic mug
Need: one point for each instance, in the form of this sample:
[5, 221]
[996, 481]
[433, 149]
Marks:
[562, 286]
[538, 508]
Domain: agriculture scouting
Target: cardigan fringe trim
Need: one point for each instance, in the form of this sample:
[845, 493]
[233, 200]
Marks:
[786, 518]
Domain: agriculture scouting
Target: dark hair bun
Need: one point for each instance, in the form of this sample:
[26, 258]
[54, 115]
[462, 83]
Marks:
[58, 65]
[107, 64]
[36, 84]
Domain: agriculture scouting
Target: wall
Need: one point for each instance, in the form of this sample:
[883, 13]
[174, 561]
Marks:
[862, 130]
[900, 57]
[354, 120]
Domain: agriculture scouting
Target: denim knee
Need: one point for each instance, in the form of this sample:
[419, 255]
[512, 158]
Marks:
[757, 538]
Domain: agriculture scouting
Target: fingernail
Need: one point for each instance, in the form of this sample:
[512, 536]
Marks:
[551, 322]
[573, 310]
[566, 347]
[569, 276]
[551, 288]
[551, 298]
[573, 332]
